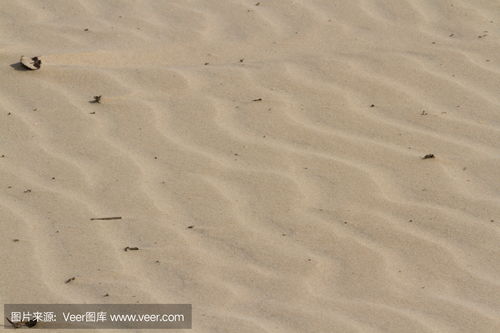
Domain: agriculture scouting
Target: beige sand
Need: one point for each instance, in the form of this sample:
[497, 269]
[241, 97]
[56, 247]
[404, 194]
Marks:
[312, 210]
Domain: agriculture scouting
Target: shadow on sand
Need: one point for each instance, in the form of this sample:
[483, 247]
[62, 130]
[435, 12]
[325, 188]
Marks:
[19, 67]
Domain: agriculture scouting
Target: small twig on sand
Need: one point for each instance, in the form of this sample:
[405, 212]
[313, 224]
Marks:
[128, 248]
[27, 323]
[97, 99]
[106, 218]
[70, 279]
[15, 325]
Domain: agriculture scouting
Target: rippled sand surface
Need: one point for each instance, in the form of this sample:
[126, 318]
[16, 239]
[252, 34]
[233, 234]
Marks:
[265, 159]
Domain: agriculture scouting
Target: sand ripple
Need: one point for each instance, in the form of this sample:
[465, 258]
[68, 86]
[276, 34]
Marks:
[312, 210]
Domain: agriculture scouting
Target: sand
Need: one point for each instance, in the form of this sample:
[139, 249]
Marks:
[265, 159]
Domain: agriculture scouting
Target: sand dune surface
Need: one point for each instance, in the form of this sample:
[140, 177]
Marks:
[265, 157]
